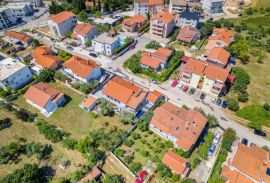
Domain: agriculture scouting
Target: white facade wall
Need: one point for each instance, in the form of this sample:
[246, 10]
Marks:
[207, 85]
[17, 79]
[212, 7]
[7, 18]
[194, 80]
[94, 75]
[61, 29]
[104, 48]
[140, 9]
[185, 22]
[88, 37]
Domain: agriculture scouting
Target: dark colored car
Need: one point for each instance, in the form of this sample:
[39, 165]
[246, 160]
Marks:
[224, 104]
[260, 133]
[202, 96]
[244, 141]
[184, 89]
[93, 55]
[191, 91]
[218, 101]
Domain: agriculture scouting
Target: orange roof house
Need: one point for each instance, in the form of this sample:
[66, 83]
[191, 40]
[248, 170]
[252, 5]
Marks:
[254, 167]
[45, 57]
[89, 103]
[83, 70]
[125, 92]
[154, 96]
[185, 126]
[176, 163]
[221, 37]
[149, 2]
[13, 36]
[92, 175]
[218, 56]
[132, 23]
[44, 97]
[164, 16]
[156, 59]
[62, 16]
[188, 34]
[84, 32]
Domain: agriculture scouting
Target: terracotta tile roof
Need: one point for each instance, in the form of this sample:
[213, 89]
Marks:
[164, 16]
[125, 91]
[44, 56]
[234, 176]
[62, 16]
[222, 34]
[216, 73]
[135, 19]
[257, 164]
[154, 96]
[187, 34]
[94, 172]
[89, 101]
[175, 162]
[219, 54]
[195, 66]
[41, 93]
[150, 2]
[87, 3]
[82, 29]
[17, 35]
[185, 125]
[150, 61]
[162, 53]
[80, 66]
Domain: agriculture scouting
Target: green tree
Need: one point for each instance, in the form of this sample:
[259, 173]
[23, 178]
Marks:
[127, 118]
[240, 49]
[54, 8]
[233, 104]
[188, 180]
[113, 179]
[5, 123]
[212, 121]
[243, 97]
[119, 152]
[83, 16]
[45, 75]
[135, 167]
[163, 171]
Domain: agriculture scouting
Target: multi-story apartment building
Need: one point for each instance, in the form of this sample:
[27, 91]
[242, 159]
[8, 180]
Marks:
[62, 23]
[147, 7]
[176, 7]
[189, 18]
[21, 9]
[162, 24]
[7, 18]
[212, 6]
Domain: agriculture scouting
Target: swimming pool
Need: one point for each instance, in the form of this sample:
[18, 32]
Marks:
[122, 39]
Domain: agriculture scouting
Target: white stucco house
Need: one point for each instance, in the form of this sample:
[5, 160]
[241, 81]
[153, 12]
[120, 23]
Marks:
[13, 74]
[188, 18]
[82, 70]
[212, 6]
[105, 44]
[62, 23]
[147, 7]
[84, 32]
[44, 97]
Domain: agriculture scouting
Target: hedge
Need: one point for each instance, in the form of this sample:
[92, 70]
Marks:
[144, 27]
[122, 47]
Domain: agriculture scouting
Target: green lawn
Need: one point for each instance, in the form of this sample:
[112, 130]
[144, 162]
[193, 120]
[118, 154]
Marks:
[261, 3]
[70, 117]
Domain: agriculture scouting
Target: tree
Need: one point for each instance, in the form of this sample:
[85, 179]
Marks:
[243, 97]
[60, 76]
[127, 118]
[229, 136]
[83, 16]
[163, 171]
[35, 43]
[88, 43]
[128, 159]
[153, 45]
[266, 106]
[54, 8]
[97, 15]
[207, 29]
[46, 75]
[25, 115]
[233, 104]
[240, 48]
[113, 179]
[5, 123]
[188, 180]
[135, 167]
[119, 152]
[212, 121]
[242, 79]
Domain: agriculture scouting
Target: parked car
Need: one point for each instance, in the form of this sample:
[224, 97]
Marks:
[211, 150]
[141, 176]
[174, 83]
[217, 138]
[154, 81]
[202, 96]
[191, 91]
[180, 86]
[184, 89]
[244, 141]
[69, 47]
[218, 102]
[224, 104]
[93, 55]
[260, 133]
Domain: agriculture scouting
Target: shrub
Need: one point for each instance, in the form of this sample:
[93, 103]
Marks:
[135, 136]
[144, 27]
[45, 75]
[195, 163]
[233, 104]
[242, 79]
[144, 153]
[69, 143]
[6, 105]
[25, 115]
[119, 152]
[5, 123]
[212, 121]
[153, 45]
[128, 41]
[86, 87]
[243, 97]
[128, 159]
[60, 76]
[135, 167]
[128, 142]
[266, 106]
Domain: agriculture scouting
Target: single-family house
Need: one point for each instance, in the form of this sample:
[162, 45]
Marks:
[221, 37]
[44, 97]
[162, 24]
[212, 6]
[61, 23]
[182, 127]
[17, 38]
[133, 23]
[84, 32]
[188, 34]
[247, 164]
[105, 44]
[176, 163]
[218, 56]
[156, 60]
[208, 77]
[81, 69]
[176, 7]
[13, 74]
[148, 7]
[7, 18]
[153, 97]
[188, 18]
[46, 58]
[125, 94]
[89, 103]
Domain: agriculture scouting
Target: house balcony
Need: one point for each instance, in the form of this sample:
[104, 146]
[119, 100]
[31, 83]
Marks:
[186, 79]
[215, 90]
[218, 84]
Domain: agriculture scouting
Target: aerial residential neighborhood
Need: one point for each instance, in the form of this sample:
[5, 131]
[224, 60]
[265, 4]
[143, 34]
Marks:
[142, 91]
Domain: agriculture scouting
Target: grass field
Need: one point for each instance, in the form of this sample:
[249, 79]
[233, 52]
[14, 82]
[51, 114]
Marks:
[261, 3]
[71, 118]
[28, 131]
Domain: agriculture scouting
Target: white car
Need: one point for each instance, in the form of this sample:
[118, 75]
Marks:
[217, 138]
[180, 86]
